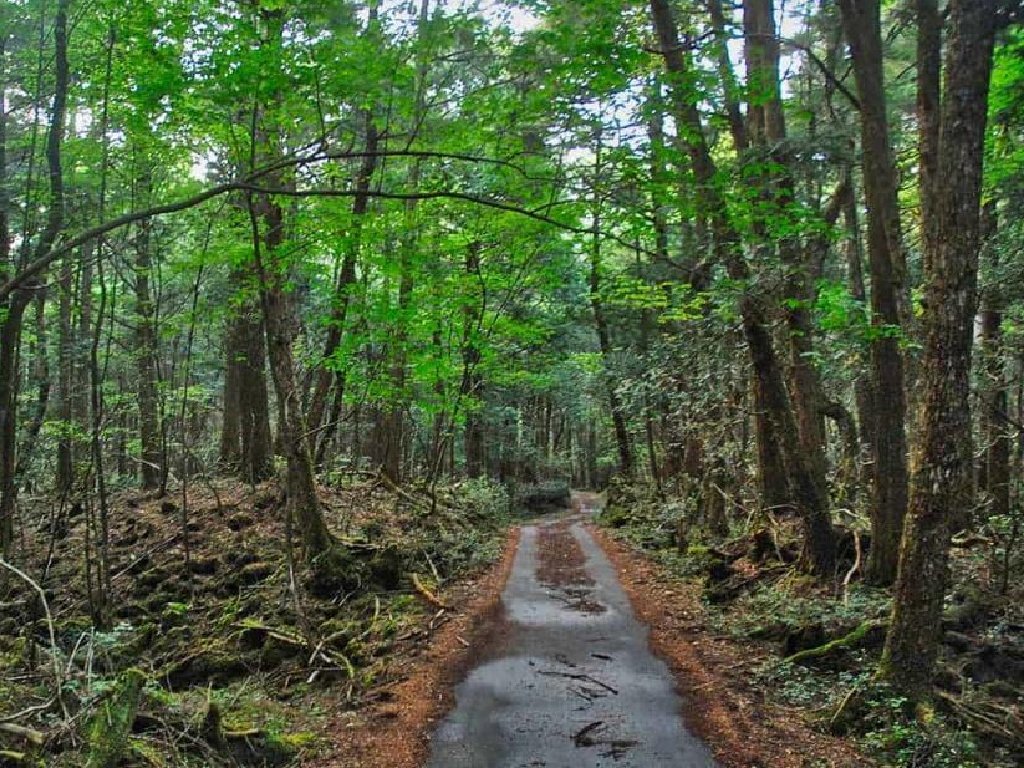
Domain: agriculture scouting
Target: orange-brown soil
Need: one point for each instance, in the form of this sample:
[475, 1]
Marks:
[393, 729]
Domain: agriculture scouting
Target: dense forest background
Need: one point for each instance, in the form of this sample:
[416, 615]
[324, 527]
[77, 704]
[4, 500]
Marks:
[752, 267]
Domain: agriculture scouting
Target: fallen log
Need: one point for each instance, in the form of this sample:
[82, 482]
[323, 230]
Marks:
[850, 640]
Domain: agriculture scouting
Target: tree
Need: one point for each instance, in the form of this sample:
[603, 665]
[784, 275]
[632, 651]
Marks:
[942, 483]
[770, 393]
[885, 414]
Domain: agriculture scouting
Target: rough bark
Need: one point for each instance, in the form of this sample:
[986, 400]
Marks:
[994, 468]
[929, 74]
[811, 506]
[942, 482]
[888, 461]
[152, 458]
[16, 304]
[267, 219]
[246, 442]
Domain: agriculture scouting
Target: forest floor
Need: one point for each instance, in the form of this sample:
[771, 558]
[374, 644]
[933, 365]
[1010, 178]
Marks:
[782, 665]
[242, 658]
[246, 663]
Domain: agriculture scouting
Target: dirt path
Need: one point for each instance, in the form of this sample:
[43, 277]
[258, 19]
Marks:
[571, 680]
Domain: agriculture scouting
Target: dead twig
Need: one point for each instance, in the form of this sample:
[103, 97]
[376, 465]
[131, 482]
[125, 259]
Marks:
[854, 568]
[58, 675]
[582, 737]
[426, 593]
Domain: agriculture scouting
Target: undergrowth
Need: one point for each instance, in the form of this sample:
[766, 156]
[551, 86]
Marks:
[242, 664]
[766, 604]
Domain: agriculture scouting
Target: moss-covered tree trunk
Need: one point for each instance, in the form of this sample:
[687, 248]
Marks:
[279, 321]
[942, 482]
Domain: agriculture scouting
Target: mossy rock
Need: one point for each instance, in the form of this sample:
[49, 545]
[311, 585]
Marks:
[131, 610]
[615, 517]
[276, 652]
[239, 558]
[341, 630]
[335, 572]
[240, 521]
[385, 568]
[214, 666]
[152, 578]
[254, 573]
[10, 758]
[257, 749]
[204, 566]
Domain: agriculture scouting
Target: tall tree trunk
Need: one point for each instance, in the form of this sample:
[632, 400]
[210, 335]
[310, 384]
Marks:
[65, 379]
[472, 381]
[622, 440]
[855, 267]
[807, 496]
[152, 457]
[767, 129]
[343, 294]
[887, 431]
[41, 374]
[942, 482]
[10, 325]
[267, 220]
[994, 470]
[246, 441]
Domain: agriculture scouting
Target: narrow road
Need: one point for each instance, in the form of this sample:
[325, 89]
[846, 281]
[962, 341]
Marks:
[570, 681]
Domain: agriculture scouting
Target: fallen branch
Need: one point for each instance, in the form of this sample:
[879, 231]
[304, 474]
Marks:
[426, 594]
[849, 640]
[27, 712]
[31, 735]
[582, 737]
[854, 568]
[999, 724]
[58, 676]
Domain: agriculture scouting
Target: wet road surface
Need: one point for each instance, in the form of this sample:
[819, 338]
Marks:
[570, 681]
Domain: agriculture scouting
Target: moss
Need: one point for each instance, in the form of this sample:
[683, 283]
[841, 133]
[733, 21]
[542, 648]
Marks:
[850, 640]
[110, 726]
[334, 572]
[254, 573]
[615, 516]
[215, 665]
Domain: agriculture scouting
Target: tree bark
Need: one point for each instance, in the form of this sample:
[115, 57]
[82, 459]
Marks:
[267, 219]
[152, 457]
[246, 441]
[806, 494]
[942, 482]
[994, 469]
[472, 381]
[622, 440]
[343, 295]
[11, 323]
[65, 379]
[888, 447]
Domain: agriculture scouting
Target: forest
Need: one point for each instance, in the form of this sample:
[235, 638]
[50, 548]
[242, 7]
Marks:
[354, 352]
